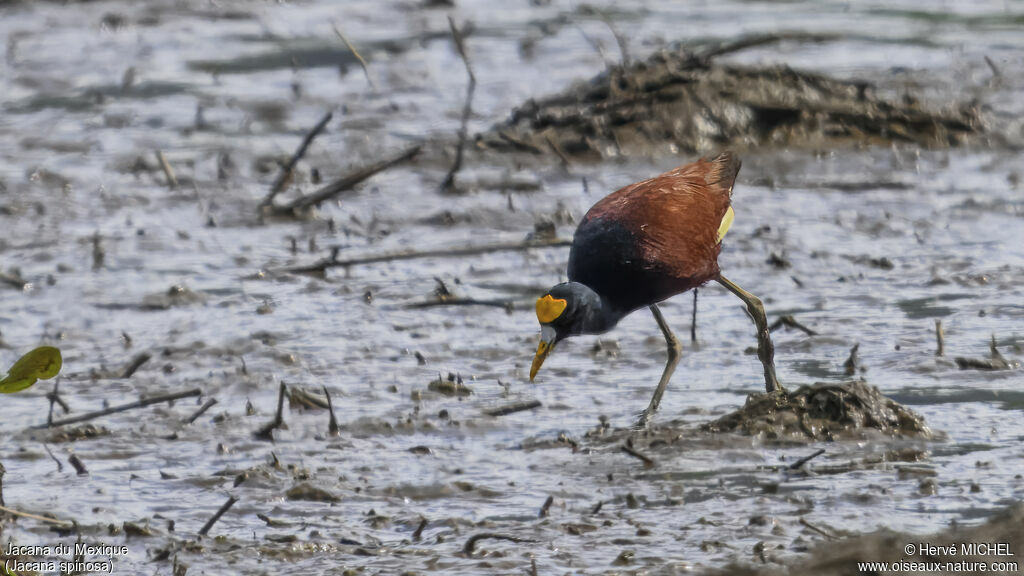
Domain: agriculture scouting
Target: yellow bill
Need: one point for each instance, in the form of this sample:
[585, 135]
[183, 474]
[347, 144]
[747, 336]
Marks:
[547, 344]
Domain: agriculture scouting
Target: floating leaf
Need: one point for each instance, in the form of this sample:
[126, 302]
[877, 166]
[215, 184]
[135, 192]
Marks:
[42, 363]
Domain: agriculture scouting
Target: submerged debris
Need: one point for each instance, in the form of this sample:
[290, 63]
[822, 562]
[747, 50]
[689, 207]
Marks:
[680, 102]
[822, 411]
[452, 386]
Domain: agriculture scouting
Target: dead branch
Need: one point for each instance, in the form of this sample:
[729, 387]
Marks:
[220, 512]
[359, 57]
[467, 108]
[344, 183]
[513, 408]
[286, 170]
[122, 408]
[471, 543]
[320, 267]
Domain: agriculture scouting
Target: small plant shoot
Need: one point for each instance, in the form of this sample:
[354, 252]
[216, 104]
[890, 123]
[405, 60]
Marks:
[42, 363]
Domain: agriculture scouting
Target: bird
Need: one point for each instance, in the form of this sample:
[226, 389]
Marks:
[641, 245]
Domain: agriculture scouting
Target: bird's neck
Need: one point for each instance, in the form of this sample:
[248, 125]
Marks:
[598, 315]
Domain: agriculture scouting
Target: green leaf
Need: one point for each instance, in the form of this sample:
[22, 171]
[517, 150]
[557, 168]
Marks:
[42, 363]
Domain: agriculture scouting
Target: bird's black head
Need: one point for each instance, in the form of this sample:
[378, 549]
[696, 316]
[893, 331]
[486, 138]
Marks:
[568, 309]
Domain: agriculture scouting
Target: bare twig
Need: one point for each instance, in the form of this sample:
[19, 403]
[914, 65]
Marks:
[939, 338]
[467, 108]
[345, 183]
[359, 57]
[220, 512]
[14, 512]
[332, 428]
[619, 38]
[992, 66]
[796, 465]
[122, 408]
[202, 410]
[648, 462]
[79, 466]
[135, 364]
[412, 255]
[461, 302]
[806, 523]
[790, 322]
[60, 466]
[172, 182]
[546, 507]
[558, 151]
[471, 543]
[54, 398]
[757, 40]
[513, 408]
[266, 433]
[850, 366]
[418, 534]
[286, 170]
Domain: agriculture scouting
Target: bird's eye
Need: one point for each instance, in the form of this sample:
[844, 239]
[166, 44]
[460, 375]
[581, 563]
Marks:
[550, 308]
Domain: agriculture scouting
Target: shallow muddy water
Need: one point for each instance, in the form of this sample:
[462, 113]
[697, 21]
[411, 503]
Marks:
[878, 244]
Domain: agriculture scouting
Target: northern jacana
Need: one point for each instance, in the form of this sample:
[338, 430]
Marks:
[644, 244]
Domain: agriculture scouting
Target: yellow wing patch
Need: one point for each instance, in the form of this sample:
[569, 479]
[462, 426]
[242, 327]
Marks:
[549, 308]
[726, 223]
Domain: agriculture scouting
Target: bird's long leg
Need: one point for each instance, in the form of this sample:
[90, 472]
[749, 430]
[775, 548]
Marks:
[765, 348]
[675, 350]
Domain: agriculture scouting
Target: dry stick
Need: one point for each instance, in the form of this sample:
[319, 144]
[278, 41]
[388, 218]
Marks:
[55, 398]
[648, 462]
[513, 408]
[619, 38]
[693, 321]
[121, 408]
[346, 182]
[992, 66]
[14, 512]
[266, 433]
[202, 410]
[816, 529]
[60, 467]
[172, 182]
[418, 534]
[546, 507]
[756, 40]
[471, 543]
[558, 151]
[790, 322]
[332, 428]
[467, 108]
[939, 338]
[850, 366]
[412, 255]
[220, 512]
[806, 459]
[359, 57]
[75, 461]
[460, 302]
[136, 363]
[286, 171]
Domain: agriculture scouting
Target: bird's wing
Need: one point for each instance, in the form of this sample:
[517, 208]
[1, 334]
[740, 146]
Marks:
[677, 219]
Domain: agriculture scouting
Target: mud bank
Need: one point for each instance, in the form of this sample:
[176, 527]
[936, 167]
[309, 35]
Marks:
[678, 102]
